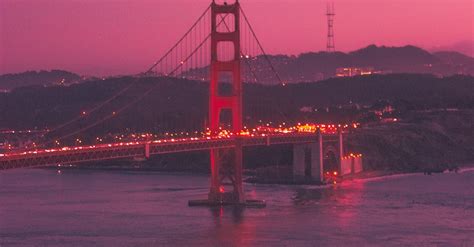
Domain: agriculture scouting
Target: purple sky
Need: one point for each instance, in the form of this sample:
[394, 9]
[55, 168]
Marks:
[106, 37]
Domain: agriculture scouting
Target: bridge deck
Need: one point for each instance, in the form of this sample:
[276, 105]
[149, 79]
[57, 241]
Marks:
[70, 155]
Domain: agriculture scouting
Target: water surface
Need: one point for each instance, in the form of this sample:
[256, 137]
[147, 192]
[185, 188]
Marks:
[117, 208]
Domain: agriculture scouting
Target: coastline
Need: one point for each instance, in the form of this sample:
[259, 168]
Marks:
[372, 175]
[466, 169]
[282, 178]
[377, 175]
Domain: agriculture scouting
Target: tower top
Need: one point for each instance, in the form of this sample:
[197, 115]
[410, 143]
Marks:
[330, 13]
[225, 2]
[330, 9]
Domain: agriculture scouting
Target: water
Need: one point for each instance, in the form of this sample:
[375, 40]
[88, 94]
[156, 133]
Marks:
[117, 208]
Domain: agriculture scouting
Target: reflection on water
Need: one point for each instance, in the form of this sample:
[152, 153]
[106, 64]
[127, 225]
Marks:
[235, 211]
[98, 208]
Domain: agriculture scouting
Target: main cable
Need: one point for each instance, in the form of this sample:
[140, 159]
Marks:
[115, 113]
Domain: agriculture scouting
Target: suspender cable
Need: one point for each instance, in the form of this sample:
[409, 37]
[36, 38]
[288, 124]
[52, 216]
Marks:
[139, 98]
[261, 47]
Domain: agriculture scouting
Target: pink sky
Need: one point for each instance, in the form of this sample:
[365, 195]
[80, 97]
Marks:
[107, 37]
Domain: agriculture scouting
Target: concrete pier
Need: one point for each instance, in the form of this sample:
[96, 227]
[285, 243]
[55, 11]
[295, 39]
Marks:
[309, 158]
[308, 162]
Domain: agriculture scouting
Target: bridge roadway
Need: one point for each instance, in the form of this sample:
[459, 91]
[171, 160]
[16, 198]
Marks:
[71, 155]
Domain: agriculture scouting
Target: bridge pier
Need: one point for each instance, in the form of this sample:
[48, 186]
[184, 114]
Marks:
[147, 150]
[341, 148]
[226, 176]
[308, 161]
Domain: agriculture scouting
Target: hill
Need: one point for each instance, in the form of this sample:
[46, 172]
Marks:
[316, 66]
[465, 47]
[433, 131]
[458, 62]
[43, 78]
[307, 67]
[184, 103]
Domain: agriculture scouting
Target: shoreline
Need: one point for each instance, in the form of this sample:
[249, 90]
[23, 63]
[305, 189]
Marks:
[372, 175]
[368, 176]
[378, 175]
[466, 169]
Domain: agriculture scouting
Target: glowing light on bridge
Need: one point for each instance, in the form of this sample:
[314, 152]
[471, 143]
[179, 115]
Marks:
[182, 137]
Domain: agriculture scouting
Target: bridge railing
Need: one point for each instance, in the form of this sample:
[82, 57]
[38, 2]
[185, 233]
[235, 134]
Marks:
[73, 155]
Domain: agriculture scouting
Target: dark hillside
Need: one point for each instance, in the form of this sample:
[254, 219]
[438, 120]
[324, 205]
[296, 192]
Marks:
[40, 78]
[434, 130]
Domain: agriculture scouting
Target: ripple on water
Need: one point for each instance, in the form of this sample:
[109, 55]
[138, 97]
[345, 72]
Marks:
[93, 208]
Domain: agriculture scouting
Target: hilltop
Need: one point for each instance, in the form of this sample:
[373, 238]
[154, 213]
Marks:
[306, 67]
[41, 78]
[408, 59]
[317, 66]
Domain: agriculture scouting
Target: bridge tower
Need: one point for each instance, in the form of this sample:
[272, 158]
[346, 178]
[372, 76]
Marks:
[226, 165]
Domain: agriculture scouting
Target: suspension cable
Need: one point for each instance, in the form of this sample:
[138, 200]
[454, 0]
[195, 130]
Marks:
[115, 113]
[131, 84]
[261, 48]
[126, 88]
[179, 41]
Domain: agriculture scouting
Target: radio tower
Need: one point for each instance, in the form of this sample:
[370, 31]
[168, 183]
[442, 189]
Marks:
[330, 47]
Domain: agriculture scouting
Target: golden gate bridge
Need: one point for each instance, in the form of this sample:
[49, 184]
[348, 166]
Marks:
[218, 47]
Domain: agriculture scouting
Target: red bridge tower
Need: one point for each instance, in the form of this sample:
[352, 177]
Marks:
[226, 165]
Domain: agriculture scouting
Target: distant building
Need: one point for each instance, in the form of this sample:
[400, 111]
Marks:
[356, 71]
[388, 109]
